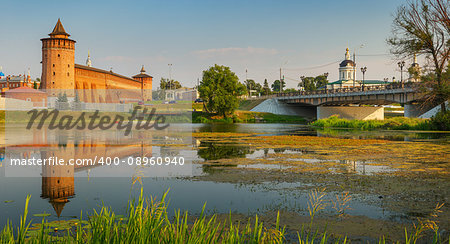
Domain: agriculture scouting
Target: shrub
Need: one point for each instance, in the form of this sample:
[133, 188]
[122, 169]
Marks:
[396, 123]
[441, 121]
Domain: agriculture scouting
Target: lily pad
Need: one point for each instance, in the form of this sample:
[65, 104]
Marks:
[8, 201]
[42, 215]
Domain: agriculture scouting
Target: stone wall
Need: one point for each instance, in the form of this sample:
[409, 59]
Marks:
[98, 86]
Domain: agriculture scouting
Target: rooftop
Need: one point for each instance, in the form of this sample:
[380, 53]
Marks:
[359, 81]
[59, 29]
[79, 66]
[16, 78]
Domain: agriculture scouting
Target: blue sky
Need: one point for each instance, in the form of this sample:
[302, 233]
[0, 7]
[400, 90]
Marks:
[260, 36]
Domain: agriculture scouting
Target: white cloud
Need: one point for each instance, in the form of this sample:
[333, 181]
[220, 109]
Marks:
[234, 51]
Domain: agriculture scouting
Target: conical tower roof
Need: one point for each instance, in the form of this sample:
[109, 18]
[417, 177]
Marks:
[58, 205]
[59, 29]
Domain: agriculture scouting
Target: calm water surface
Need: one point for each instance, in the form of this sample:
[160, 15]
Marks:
[90, 191]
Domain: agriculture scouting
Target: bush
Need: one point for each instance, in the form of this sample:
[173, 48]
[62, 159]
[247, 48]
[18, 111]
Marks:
[396, 123]
[441, 121]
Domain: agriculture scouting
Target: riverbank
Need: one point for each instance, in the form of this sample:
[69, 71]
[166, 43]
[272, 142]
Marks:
[441, 122]
[246, 117]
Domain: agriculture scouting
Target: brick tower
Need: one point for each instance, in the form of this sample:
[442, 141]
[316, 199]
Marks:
[58, 62]
[146, 84]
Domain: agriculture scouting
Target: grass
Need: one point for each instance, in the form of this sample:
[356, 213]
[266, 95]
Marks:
[147, 221]
[395, 123]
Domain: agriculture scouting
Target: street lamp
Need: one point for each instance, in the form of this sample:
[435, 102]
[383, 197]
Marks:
[363, 70]
[401, 64]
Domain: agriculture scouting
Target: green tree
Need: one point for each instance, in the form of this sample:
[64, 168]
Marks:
[277, 84]
[252, 85]
[313, 83]
[62, 98]
[288, 90]
[166, 84]
[35, 85]
[423, 27]
[307, 83]
[62, 103]
[321, 80]
[76, 102]
[414, 73]
[220, 90]
[266, 88]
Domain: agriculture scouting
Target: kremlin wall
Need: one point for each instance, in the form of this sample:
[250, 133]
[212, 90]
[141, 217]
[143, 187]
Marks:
[60, 75]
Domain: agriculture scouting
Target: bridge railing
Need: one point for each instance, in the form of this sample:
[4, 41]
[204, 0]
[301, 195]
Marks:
[387, 87]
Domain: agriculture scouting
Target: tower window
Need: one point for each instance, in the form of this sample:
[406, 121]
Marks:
[58, 55]
[68, 65]
[68, 74]
[53, 65]
[53, 73]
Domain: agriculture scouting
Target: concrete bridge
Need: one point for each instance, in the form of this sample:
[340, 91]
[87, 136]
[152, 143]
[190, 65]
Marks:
[349, 102]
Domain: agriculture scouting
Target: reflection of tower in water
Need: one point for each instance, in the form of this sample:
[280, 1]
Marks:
[58, 180]
[57, 183]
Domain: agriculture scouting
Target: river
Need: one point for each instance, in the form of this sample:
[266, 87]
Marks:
[255, 186]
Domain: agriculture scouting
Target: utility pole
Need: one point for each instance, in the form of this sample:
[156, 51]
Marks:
[354, 68]
[281, 83]
[170, 76]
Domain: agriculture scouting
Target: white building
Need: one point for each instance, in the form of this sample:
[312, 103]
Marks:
[347, 72]
[181, 94]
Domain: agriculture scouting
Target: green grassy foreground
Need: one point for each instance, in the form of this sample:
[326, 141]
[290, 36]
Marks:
[147, 221]
[441, 122]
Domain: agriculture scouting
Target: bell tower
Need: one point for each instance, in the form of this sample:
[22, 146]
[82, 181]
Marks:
[58, 62]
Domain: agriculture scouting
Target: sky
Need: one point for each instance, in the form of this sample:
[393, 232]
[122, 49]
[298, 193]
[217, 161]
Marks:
[303, 38]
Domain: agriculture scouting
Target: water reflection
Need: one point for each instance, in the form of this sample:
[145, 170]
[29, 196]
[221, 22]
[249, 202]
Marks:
[65, 193]
[213, 150]
[85, 149]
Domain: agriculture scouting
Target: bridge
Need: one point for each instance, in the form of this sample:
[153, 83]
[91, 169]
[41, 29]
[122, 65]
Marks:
[348, 102]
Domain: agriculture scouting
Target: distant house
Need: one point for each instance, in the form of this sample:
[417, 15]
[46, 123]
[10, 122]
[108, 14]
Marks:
[16, 81]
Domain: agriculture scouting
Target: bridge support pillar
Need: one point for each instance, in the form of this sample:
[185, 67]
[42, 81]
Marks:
[351, 112]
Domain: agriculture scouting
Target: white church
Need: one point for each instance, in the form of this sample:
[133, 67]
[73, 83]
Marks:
[347, 72]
